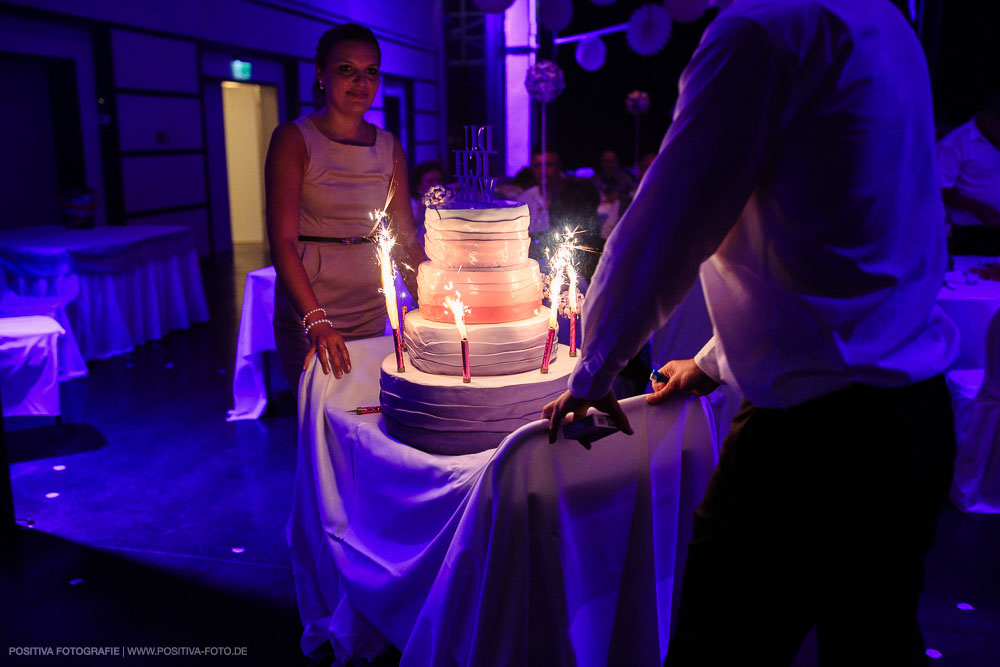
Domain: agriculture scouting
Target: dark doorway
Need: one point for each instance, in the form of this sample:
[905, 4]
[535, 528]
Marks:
[43, 145]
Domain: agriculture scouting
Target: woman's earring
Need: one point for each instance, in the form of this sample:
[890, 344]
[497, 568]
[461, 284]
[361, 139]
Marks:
[321, 86]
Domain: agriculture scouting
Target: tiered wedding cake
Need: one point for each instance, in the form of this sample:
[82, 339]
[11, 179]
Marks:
[478, 251]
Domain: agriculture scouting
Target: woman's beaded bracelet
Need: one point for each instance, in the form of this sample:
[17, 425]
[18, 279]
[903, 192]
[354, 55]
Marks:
[312, 324]
[314, 310]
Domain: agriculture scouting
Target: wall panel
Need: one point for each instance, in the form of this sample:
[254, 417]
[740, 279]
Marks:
[148, 122]
[163, 181]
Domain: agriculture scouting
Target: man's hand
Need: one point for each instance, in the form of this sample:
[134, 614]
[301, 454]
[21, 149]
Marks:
[684, 378]
[568, 403]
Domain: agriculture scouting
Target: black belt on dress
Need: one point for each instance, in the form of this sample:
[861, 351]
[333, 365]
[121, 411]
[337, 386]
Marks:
[353, 240]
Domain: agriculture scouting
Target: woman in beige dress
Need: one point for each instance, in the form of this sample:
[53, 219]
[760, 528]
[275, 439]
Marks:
[325, 174]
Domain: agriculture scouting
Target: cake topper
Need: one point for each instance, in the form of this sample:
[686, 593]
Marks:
[472, 165]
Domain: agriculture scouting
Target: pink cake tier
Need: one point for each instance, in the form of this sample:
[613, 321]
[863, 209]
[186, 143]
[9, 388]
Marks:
[491, 295]
[494, 349]
[474, 234]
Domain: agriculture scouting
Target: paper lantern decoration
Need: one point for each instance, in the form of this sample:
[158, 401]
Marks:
[590, 53]
[555, 15]
[685, 11]
[648, 29]
[637, 102]
[544, 81]
[493, 6]
[603, 3]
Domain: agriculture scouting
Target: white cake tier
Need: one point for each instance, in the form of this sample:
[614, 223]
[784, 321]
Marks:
[494, 349]
[491, 295]
[443, 415]
[498, 217]
[475, 249]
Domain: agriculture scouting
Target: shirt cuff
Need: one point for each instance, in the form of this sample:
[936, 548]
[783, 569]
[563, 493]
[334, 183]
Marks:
[707, 360]
[583, 384]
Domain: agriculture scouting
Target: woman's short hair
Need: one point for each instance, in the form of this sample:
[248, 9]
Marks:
[345, 32]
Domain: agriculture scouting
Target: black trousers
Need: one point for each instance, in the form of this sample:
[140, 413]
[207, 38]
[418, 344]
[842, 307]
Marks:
[818, 515]
[974, 240]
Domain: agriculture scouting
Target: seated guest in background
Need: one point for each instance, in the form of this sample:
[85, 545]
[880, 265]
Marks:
[513, 189]
[969, 162]
[612, 180]
[615, 184]
[817, 232]
[425, 176]
[644, 163]
[551, 164]
[574, 207]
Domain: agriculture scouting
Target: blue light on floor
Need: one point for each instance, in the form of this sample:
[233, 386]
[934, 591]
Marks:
[965, 606]
[933, 653]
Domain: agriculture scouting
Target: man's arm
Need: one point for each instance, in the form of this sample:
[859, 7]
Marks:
[983, 212]
[725, 133]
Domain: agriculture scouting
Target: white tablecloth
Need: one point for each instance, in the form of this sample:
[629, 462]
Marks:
[970, 307]
[29, 375]
[132, 284]
[528, 554]
[255, 342]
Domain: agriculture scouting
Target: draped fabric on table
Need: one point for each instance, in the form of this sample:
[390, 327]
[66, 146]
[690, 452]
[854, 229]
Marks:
[976, 400]
[530, 553]
[255, 339]
[132, 284]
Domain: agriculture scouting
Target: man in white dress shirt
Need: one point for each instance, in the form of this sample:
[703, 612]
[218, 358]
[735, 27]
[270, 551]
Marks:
[799, 176]
[969, 160]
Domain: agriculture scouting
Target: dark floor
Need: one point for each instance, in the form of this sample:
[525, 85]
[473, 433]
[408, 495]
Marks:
[168, 530]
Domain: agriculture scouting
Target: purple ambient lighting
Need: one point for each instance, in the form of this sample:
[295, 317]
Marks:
[965, 606]
[169, 364]
[75, 582]
[933, 653]
[238, 550]
[59, 467]
[52, 494]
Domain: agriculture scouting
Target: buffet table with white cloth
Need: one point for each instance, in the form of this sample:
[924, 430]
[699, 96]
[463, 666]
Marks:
[527, 554]
[132, 284]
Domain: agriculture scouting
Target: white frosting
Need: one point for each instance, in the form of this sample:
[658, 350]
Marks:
[501, 217]
[494, 349]
[443, 415]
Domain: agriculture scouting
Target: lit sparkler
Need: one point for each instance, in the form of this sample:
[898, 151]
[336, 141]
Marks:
[458, 310]
[385, 242]
[571, 271]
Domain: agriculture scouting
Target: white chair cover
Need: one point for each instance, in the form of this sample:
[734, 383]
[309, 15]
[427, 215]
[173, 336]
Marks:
[29, 365]
[976, 484]
[71, 363]
[528, 554]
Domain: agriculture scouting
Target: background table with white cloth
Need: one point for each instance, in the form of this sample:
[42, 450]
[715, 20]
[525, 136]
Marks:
[970, 307]
[527, 554]
[125, 285]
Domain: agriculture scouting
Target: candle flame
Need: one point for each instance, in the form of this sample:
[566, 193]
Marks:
[458, 309]
[385, 242]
